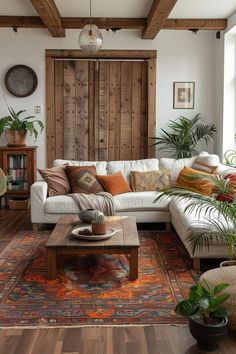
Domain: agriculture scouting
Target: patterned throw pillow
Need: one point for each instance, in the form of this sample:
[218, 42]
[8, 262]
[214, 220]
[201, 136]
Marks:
[83, 179]
[201, 166]
[150, 180]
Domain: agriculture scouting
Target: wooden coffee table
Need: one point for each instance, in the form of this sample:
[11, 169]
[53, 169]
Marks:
[125, 241]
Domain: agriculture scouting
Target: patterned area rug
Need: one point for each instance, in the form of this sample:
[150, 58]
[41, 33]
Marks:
[93, 290]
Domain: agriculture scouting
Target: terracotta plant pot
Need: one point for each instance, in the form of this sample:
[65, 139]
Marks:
[15, 137]
[99, 229]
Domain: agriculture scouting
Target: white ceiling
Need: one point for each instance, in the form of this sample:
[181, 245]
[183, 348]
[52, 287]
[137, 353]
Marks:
[16, 8]
[203, 9]
[104, 8]
[124, 8]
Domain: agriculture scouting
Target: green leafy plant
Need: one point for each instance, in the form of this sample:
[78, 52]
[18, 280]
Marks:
[183, 136]
[205, 302]
[14, 122]
[230, 156]
[215, 214]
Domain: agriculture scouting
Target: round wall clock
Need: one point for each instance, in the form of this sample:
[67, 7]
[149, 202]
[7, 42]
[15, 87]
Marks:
[21, 81]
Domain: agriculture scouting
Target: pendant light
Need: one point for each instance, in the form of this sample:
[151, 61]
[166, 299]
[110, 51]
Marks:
[90, 38]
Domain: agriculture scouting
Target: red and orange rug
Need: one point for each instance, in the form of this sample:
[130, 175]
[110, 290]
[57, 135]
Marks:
[93, 290]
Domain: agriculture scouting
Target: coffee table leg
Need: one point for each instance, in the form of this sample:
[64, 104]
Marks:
[52, 263]
[133, 267]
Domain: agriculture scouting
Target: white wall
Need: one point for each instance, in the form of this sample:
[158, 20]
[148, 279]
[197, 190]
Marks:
[182, 56]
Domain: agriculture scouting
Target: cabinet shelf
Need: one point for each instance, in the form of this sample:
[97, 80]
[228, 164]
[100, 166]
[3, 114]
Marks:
[19, 164]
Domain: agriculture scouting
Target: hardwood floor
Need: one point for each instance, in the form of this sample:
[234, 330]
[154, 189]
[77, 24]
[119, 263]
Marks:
[94, 340]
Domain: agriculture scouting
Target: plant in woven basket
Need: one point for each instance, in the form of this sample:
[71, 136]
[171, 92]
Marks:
[215, 214]
[207, 317]
[99, 226]
[182, 138]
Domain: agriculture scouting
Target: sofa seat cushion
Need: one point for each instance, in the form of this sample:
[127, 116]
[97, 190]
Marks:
[125, 167]
[189, 220]
[62, 204]
[139, 200]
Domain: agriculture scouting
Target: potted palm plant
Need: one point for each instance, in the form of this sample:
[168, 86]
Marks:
[208, 319]
[183, 137]
[16, 128]
[222, 204]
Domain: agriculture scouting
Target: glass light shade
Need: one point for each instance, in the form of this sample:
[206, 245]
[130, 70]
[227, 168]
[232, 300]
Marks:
[90, 39]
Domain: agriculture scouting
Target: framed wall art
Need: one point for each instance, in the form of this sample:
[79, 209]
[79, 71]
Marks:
[183, 95]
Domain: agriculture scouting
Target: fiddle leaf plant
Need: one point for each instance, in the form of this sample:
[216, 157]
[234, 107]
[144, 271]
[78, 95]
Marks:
[205, 302]
[14, 122]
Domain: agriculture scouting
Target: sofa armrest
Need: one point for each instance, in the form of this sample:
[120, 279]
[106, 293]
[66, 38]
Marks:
[38, 196]
[225, 170]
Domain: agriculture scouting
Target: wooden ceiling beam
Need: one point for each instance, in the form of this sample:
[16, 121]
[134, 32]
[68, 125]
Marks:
[48, 12]
[199, 24]
[157, 16]
[105, 23]
[123, 23]
[21, 22]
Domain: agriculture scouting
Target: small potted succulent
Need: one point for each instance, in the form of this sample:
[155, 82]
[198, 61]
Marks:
[208, 319]
[99, 226]
[16, 128]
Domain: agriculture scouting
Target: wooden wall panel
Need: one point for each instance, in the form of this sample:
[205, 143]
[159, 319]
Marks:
[100, 110]
[91, 127]
[82, 110]
[136, 110]
[59, 109]
[70, 140]
[50, 102]
[126, 111]
[114, 111]
[103, 120]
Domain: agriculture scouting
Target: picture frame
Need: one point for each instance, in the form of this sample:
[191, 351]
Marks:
[183, 95]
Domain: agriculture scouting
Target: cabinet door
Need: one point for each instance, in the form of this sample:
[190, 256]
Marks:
[17, 168]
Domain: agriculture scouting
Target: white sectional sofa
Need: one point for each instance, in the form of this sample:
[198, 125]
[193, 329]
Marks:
[46, 209]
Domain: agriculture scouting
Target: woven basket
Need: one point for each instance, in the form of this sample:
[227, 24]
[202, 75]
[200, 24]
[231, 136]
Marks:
[225, 275]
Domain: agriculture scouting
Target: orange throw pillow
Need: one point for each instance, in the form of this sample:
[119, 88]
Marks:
[201, 185]
[114, 184]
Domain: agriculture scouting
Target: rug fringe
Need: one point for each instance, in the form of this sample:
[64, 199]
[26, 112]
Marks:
[91, 326]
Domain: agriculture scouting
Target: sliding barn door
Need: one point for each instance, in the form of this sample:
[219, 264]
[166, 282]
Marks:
[100, 110]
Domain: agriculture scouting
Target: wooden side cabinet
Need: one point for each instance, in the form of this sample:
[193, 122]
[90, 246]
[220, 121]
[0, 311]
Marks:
[19, 164]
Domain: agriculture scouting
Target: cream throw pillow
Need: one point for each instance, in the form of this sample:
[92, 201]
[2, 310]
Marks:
[150, 180]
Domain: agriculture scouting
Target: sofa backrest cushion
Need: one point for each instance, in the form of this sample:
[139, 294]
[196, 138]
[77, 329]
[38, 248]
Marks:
[177, 165]
[100, 165]
[125, 167]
